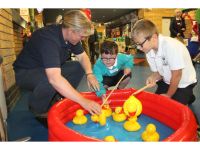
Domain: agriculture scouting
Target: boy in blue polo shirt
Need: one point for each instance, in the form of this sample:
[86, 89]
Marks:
[111, 66]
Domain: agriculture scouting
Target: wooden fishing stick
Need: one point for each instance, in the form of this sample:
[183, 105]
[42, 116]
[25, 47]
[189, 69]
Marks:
[141, 89]
[112, 90]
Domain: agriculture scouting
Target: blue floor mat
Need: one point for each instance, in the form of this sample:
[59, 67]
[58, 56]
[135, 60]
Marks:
[22, 124]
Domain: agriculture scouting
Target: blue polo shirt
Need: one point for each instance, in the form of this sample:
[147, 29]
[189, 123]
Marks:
[46, 49]
[123, 61]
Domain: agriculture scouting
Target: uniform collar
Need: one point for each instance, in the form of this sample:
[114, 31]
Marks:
[152, 53]
[62, 41]
[115, 64]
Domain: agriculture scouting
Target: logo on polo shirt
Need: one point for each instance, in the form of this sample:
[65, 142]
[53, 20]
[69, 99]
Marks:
[164, 61]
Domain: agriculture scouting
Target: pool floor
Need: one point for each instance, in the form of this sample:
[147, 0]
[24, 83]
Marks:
[116, 129]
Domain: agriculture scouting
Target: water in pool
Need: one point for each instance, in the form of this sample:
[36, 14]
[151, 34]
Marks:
[116, 129]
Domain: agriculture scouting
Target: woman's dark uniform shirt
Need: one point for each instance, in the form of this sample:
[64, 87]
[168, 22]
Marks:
[46, 49]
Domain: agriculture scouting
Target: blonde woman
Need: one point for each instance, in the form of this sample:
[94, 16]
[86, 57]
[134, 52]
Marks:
[42, 67]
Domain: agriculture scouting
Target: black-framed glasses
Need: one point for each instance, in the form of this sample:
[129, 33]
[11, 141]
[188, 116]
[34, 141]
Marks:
[140, 45]
[108, 59]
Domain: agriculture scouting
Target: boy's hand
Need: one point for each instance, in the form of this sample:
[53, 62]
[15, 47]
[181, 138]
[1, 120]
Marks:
[92, 82]
[165, 95]
[127, 71]
[151, 81]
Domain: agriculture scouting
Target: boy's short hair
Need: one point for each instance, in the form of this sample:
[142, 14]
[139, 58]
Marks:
[109, 47]
[144, 27]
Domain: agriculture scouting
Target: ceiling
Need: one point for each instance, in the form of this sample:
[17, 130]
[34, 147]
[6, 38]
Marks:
[107, 15]
[98, 15]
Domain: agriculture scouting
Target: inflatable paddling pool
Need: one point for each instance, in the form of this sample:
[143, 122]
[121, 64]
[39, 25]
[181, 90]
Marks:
[169, 112]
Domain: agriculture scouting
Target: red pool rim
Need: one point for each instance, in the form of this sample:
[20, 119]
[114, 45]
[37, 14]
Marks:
[173, 114]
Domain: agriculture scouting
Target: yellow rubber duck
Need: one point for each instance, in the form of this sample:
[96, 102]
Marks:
[102, 118]
[110, 139]
[107, 109]
[150, 134]
[95, 118]
[99, 118]
[132, 124]
[79, 118]
[132, 107]
[119, 115]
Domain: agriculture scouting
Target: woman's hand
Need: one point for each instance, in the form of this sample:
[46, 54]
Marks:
[92, 82]
[91, 106]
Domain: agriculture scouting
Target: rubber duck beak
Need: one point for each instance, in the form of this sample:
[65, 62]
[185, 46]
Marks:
[132, 113]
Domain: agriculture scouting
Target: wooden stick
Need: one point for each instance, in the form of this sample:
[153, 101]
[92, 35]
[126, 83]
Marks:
[112, 90]
[141, 89]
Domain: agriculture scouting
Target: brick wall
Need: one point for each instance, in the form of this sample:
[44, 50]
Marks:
[8, 45]
[18, 39]
[156, 15]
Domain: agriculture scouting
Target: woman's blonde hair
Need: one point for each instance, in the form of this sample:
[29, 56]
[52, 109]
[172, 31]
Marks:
[144, 27]
[78, 21]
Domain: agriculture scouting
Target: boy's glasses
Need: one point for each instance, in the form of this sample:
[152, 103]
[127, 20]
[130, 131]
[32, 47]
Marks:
[140, 45]
[108, 59]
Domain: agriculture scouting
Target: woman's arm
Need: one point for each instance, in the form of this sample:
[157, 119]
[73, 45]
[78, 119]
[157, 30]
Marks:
[61, 85]
[86, 64]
